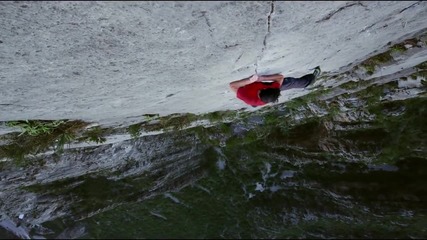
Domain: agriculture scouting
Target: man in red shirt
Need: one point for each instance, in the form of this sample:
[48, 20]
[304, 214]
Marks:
[256, 92]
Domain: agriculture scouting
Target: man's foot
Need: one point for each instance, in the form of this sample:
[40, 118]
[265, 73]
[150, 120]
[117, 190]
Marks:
[317, 71]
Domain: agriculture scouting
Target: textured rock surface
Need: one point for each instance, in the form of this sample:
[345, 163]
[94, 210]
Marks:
[112, 62]
[347, 160]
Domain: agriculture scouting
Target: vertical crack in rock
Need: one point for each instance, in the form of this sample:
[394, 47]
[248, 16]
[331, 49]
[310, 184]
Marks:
[266, 35]
[269, 16]
[268, 25]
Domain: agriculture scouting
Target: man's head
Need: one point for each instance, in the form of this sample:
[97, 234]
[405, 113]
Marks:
[269, 95]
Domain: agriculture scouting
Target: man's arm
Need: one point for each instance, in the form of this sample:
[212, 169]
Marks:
[243, 82]
[275, 77]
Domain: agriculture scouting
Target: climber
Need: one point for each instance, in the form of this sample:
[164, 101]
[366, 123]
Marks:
[260, 90]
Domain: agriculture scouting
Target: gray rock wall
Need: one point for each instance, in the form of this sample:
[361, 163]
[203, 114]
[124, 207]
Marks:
[112, 62]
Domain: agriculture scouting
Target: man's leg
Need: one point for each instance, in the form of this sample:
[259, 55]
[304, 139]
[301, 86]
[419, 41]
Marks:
[302, 82]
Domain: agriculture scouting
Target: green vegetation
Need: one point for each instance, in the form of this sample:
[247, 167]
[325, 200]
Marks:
[353, 85]
[150, 117]
[302, 102]
[299, 103]
[176, 122]
[422, 66]
[219, 205]
[399, 48]
[219, 116]
[333, 110]
[295, 104]
[404, 132]
[173, 122]
[64, 138]
[422, 74]
[93, 196]
[373, 93]
[350, 85]
[422, 70]
[134, 130]
[96, 134]
[35, 127]
[371, 63]
[331, 159]
[272, 118]
[38, 136]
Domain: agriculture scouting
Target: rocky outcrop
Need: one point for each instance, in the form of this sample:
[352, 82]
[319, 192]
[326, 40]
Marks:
[343, 160]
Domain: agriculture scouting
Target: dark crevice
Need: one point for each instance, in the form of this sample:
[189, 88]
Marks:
[12, 104]
[339, 10]
[207, 20]
[207, 23]
[361, 4]
[388, 18]
[365, 29]
[269, 16]
[203, 14]
[264, 42]
[238, 58]
[230, 46]
[268, 25]
[410, 6]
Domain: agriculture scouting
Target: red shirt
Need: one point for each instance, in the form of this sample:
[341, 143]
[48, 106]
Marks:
[249, 93]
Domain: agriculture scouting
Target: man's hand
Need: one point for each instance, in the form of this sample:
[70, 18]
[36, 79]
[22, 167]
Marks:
[235, 85]
[254, 78]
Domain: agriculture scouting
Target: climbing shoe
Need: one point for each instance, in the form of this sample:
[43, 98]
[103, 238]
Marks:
[317, 71]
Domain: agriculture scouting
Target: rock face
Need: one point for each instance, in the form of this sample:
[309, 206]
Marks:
[113, 62]
[344, 158]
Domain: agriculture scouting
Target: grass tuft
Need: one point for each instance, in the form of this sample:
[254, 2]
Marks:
[371, 63]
